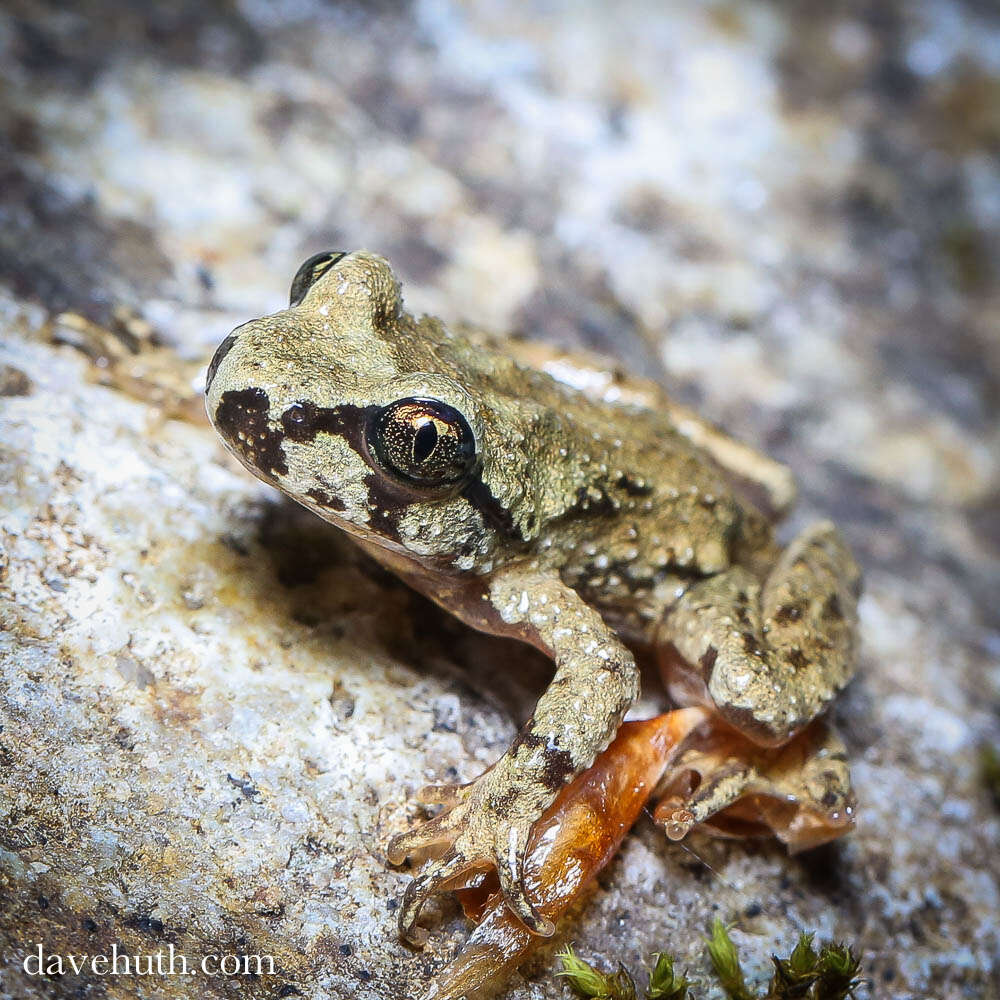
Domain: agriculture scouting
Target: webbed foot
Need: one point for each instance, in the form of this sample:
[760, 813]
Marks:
[485, 825]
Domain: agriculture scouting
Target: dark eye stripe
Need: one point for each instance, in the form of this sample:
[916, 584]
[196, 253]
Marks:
[302, 421]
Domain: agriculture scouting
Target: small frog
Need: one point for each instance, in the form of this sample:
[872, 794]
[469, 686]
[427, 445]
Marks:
[551, 499]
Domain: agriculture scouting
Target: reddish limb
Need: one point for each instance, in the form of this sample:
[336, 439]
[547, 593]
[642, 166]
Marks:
[726, 785]
[575, 838]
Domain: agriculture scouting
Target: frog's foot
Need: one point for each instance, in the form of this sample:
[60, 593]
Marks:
[485, 825]
[728, 786]
[129, 356]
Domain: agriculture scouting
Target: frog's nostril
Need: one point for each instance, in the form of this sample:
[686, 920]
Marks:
[223, 349]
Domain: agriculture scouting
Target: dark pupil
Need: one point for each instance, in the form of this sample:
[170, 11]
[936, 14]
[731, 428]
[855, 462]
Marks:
[424, 442]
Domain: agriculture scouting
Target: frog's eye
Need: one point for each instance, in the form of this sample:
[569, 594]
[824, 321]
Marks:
[310, 272]
[423, 441]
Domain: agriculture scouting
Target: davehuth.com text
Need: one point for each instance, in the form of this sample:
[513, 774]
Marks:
[163, 962]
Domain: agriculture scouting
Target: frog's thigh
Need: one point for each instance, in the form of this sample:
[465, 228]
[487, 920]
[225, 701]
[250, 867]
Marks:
[772, 656]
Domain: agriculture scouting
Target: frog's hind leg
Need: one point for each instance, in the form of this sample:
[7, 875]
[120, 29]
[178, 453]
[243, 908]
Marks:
[769, 655]
[728, 786]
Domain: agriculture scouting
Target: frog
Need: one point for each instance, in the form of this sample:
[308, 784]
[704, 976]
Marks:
[555, 500]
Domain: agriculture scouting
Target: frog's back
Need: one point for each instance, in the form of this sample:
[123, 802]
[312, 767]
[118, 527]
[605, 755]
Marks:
[582, 401]
[615, 495]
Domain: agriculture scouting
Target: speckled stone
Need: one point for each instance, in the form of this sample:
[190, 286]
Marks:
[214, 712]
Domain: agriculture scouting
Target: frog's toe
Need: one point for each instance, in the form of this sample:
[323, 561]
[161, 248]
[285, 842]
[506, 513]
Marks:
[442, 829]
[448, 796]
[510, 851]
[675, 817]
[435, 832]
[440, 876]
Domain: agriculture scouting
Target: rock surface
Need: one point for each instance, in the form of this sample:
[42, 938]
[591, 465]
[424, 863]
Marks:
[214, 712]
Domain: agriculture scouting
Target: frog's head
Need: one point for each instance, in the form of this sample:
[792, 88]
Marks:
[345, 403]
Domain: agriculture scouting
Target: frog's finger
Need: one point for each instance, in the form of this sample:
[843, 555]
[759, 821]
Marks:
[446, 869]
[439, 830]
[445, 795]
[510, 851]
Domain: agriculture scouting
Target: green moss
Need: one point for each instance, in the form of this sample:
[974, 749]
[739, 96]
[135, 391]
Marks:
[590, 984]
[795, 975]
[725, 961]
[829, 973]
[839, 973]
[664, 983]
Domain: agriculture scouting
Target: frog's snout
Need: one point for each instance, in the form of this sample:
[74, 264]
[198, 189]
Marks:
[223, 349]
[239, 411]
[241, 418]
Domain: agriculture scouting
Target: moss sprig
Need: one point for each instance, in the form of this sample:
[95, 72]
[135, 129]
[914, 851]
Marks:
[725, 961]
[664, 983]
[589, 983]
[830, 972]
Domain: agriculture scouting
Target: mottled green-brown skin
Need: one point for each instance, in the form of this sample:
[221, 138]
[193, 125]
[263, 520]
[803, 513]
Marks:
[595, 513]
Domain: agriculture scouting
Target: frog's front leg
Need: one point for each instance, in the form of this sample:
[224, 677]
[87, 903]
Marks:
[770, 655]
[487, 822]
